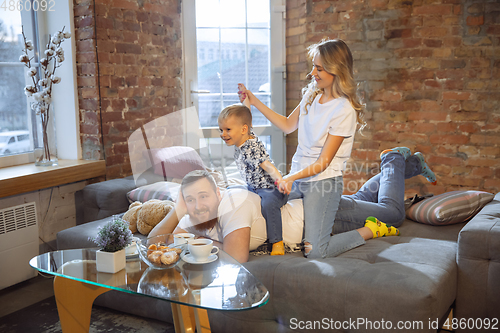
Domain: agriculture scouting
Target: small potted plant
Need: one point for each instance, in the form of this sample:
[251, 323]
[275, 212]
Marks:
[112, 239]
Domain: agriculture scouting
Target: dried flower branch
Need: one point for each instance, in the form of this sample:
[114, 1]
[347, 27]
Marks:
[43, 79]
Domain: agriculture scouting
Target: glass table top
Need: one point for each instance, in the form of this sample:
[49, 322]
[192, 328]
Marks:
[220, 285]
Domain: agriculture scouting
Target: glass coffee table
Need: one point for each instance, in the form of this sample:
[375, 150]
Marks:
[223, 284]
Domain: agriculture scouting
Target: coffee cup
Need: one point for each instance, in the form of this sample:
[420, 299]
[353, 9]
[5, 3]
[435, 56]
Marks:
[131, 249]
[182, 238]
[201, 249]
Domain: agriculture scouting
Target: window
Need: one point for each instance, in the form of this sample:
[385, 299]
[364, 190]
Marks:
[23, 137]
[253, 29]
[14, 108]
[15, 113]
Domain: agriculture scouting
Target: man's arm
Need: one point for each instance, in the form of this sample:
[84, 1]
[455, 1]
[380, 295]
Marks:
[167, 225]
[170, 222]
[237, 244]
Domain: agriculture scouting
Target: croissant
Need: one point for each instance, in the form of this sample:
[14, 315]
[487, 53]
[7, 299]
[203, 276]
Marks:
[169, 257]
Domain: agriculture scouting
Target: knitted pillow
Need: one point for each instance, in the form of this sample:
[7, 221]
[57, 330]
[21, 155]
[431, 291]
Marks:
[159, 190]
[449, 208]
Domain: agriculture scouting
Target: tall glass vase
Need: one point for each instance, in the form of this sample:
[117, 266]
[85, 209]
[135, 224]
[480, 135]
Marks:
[46, 149]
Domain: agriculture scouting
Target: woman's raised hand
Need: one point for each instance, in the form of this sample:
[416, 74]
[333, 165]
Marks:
[245, 95]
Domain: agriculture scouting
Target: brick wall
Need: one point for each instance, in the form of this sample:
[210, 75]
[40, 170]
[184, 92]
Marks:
[129, 57]
[430, 75]
[429, 72]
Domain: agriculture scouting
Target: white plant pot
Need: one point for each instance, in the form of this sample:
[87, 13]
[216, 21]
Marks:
[110, 262]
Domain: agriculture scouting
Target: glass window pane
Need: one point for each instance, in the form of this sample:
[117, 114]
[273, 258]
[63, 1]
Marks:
[13, 108]
[10, 36]
[258, 14]
[15, 122]
[228, 56]
[258, 59]
[258, 118]
[207, 13]
[233, 68]
[208, 43]
[209, 106]
[259, 70]
[233, 13]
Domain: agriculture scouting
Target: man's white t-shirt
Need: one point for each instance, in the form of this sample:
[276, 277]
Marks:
[240, 208]
[336, 117]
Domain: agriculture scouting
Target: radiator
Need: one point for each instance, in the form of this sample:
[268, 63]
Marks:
[18, 243]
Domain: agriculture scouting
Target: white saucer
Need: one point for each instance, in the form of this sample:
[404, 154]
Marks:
[190, 259]
[132, 255]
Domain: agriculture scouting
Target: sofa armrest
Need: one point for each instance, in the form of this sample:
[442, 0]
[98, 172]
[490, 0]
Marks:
[478, 259]
[104, 199]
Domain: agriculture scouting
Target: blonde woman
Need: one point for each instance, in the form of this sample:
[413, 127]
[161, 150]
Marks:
[326, 120]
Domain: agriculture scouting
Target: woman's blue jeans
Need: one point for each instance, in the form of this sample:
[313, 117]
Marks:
[321, 199]
[381, 196]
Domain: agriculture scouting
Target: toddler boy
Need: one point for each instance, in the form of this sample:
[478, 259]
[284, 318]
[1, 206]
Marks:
[256, 168]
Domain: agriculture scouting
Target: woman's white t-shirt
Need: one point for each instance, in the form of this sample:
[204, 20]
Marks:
[336, 117]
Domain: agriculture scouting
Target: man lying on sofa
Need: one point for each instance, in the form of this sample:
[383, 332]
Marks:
[231, 218]
[234, 219]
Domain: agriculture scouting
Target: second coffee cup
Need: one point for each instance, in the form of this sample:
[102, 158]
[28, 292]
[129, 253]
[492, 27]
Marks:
[182, 238]
[201, 249]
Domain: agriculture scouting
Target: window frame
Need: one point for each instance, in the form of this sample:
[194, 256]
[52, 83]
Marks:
[277, 78]
[65, 96]
[29, 21]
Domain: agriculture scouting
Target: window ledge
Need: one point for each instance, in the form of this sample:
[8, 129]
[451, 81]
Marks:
[28, 177]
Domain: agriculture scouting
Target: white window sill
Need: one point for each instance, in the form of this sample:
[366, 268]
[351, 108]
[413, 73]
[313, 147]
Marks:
[28, 177]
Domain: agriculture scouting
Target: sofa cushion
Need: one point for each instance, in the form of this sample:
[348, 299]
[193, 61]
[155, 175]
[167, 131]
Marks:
[390, 278]
[478, 258]
[159, 190]
[175, 162]
[78, 237]
[449, 208]
[106, 198]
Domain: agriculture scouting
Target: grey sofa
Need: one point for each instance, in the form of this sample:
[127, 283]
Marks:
[408, 282]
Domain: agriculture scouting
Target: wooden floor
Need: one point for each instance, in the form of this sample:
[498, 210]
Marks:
[26, 293]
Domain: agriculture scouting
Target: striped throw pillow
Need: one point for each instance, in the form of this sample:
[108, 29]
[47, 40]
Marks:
[159, 190]
[449, 208]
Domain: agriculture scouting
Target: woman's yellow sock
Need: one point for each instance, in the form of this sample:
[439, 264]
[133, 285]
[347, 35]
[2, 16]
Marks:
[278, 249]
[380, 229]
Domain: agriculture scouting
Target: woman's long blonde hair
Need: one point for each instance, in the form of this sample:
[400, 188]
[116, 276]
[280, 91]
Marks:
[337, 60]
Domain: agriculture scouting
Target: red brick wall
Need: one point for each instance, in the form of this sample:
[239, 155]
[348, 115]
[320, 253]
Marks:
[429, 71]
[430, 74]
[129, 67]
